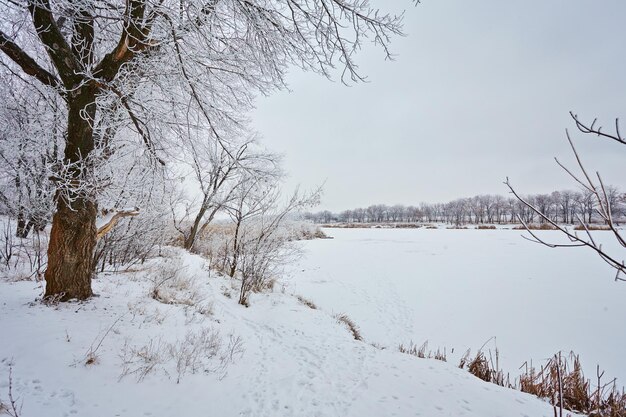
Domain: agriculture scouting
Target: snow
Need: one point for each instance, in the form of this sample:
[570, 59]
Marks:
[292, 360]
[460, 288]
[105, 219]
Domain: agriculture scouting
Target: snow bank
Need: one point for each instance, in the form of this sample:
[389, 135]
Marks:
[276, 358]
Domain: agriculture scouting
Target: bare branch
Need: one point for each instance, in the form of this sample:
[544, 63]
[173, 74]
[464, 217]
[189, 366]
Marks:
[26, 63]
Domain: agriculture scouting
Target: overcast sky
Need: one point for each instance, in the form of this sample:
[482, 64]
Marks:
[479, 90]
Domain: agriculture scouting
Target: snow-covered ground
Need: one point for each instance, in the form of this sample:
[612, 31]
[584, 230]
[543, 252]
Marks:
[126, 354]
[459, 288]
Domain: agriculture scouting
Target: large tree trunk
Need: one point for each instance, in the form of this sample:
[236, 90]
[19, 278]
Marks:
[70, 251]
[73, 236]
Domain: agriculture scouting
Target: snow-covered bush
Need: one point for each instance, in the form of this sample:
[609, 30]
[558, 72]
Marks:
[140, 361]
[191, 353]
[260, 256]
[173, 284]
[202, 350]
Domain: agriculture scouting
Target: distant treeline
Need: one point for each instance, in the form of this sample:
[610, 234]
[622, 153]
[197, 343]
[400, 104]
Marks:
[560, 206]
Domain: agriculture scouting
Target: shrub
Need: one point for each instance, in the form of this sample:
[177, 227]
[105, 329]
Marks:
[141, 361]
[173, 285]
[200, 351]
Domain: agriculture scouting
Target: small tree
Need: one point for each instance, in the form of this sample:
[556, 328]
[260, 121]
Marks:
[258, 244]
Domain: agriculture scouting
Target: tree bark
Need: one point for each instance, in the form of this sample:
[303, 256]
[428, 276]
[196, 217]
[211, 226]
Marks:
[22, 226]
[190, 239]
[233, 265]
[74, 235]
[70, 251]
[196, 229]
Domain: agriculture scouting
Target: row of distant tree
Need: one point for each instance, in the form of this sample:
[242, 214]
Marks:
[561, 207]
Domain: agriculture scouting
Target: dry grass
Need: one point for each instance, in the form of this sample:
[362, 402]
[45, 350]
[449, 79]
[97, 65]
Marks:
[486, 227]
[562, 382]
[407, 225]
[389, 225]
[310, 304]
[413, 349]
[423, 352]
[441, 355]
[543, 226]
[354, 329]
[487, 369]
[316, 233]
[592, 227]
[191, 354]
[347, 225]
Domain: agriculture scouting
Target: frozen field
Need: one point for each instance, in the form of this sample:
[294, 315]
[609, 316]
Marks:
[459, 288]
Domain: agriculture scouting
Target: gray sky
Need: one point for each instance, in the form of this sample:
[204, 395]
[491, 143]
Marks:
[479, 90]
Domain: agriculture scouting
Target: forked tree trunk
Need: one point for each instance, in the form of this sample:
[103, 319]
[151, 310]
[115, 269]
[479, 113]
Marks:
[73, 236]
[197, 230]
[190, 239]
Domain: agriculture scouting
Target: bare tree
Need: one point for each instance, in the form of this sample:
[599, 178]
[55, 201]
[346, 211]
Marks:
[254, 195]
[605, 200]
[261, 244]
[217, 173]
